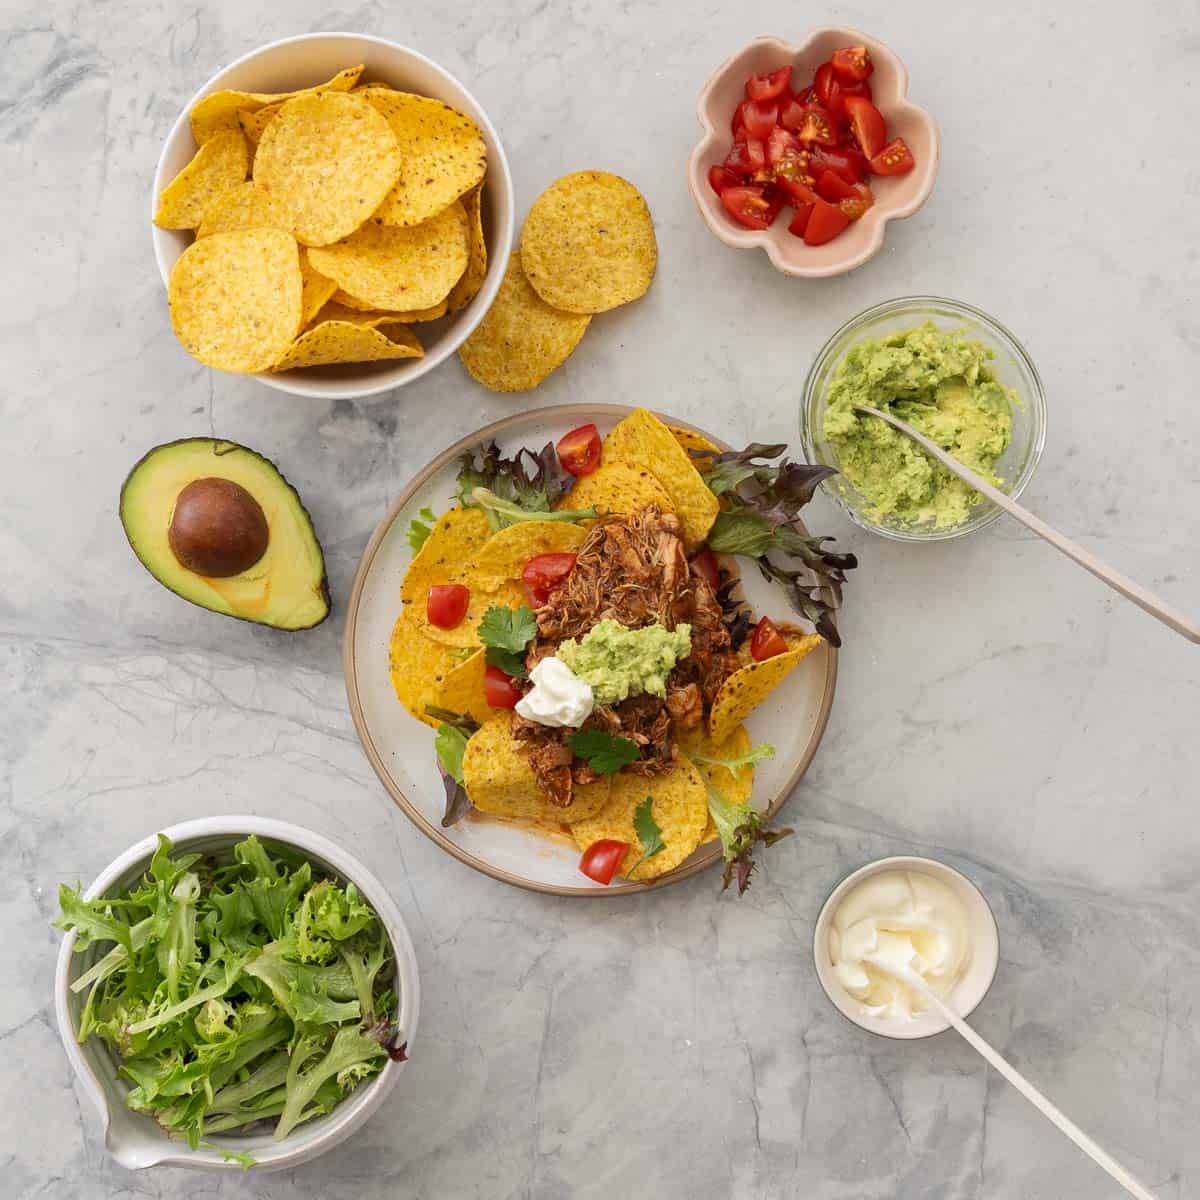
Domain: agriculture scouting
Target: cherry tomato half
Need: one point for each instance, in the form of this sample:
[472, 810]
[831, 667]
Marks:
[827, 91]
[791, 112]
[832, 187]
[797, 192]
[719, 178]
[499, 689]
[746, 157]
[867, 124]
[704, 563]
[766, 641]
[800, 220]
[825, 223]
[847, 161]
[854, 206]
[852, 63]
[759, 117]
[579, 450]
[749, 206]
[601, 859]
[894, 159]
[546, 573]
[768, 87]
[817, 126]
[446, 604]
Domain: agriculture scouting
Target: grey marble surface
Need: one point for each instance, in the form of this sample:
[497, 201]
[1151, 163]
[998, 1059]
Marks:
[997, 707]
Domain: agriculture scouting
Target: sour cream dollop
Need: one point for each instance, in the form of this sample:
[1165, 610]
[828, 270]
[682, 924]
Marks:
[558, 697]
[905, 918]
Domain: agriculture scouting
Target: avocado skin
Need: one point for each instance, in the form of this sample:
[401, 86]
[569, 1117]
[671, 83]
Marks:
[212, 450]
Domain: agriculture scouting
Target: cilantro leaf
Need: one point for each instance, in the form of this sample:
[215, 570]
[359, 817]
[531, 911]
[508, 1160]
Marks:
[605, 753]
[510, 629]
[510, 663]
[419, 530]
[648, 832]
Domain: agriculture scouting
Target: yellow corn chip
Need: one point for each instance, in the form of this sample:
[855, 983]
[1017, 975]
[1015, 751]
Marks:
[467, 288]
[588, 243]
[641, 439]
[219, 111]
[679, 808]
[442, 152]
[418, 667]
[341, 342]
[617, 487]
[254, 122]
[696, 444]
[246, 205]
[500, 781]
[316, 290]
[505, 553]
[329, 159]
[399, 268]
[410, 316]
[521, 339]
[750, 685]
[218, 165]
[462, 690]
[235, 298]
[735, 786]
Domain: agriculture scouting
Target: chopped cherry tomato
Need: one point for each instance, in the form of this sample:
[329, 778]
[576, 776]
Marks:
[767, 641]
[867, 125]
[800, 221]
[446, 604]
[855, 205]
[548, 572]
[787, 158]
[791, 111]
[738, 125]
[796, 191]
[719, 178]
[759, 117]
[825, 223]
[894, 159]
[817, 126]
[852, 63]
[499, 689]
[704, 563]
[855, 89]
[827, 91]
[746, 157]
[847, 161]
[768, 87]
[782, 144]
[832, 187]
[579, 450]
[750, 206]
[601, 859]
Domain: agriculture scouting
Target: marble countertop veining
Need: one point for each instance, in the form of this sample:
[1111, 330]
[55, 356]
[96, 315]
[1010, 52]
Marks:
[996, 707]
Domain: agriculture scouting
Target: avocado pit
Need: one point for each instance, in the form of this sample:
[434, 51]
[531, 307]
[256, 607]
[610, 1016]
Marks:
[217, 529]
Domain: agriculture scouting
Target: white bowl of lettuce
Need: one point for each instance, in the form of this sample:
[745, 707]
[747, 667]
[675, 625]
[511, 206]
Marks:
[270, 1005]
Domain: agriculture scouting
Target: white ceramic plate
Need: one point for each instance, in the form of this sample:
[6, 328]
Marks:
[400, 748]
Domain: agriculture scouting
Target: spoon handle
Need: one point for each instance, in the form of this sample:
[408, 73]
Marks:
[1095, 1152]
[1142, 597]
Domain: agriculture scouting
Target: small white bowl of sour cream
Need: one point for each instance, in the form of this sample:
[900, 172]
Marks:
[905, 905]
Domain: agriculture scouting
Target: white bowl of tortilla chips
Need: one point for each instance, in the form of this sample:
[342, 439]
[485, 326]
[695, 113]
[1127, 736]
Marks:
[413, 233]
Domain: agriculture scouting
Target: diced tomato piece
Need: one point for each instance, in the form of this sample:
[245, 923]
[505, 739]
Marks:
[855, 89]
[548, 572]
[719, 178]
[791, 111]
[796, 191]
[766, 641]
[704, 563]
[787, 158]
[751, 206]
[847, 161]
[768, 87]
[856, 204]
[738, 125]
[499, 689]
[825, 223]
[894, 159]
[601, 859]
[800, 221]
[852, 63]
[579, 450]
[759, 117]
[746, 157]
[867, 125]
[781, 145]
[832, 187]
[827, 91]
[447, 604]
[817, 126]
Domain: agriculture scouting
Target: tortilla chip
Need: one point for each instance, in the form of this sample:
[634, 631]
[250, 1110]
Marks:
[246, 205]
[418, 666]
[341, 342]
[218, 165]
[410, 316]
[617, 487]
[735, 786]
[329, 159]
[255, 122]
[500, 781]
[235, 298]
[750, 685]
[219, 112]
[521, 339]
[698, 447]
[588, 243]
[679, 808]
[442, 152]
[642, 440]
[399, 268]
[462, 689]
[316, 289]
[467, 288]
[505, 554]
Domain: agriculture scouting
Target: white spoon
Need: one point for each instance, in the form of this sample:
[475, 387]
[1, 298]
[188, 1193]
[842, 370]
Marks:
[1081, 1139]
[1143, 598]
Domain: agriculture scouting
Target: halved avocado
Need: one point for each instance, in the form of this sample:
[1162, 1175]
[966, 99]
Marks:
[218, 524]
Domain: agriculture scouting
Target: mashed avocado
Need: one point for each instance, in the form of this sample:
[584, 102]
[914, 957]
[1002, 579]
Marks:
[939, 382]
[619, 662]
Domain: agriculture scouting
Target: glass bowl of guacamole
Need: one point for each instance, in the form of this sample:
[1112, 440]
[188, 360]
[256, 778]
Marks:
[955, 374]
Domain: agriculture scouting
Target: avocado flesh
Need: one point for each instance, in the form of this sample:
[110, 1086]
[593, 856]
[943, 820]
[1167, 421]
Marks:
[285, 589]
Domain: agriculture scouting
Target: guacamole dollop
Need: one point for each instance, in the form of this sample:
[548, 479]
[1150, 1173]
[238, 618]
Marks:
[618, 662]
[939, 381]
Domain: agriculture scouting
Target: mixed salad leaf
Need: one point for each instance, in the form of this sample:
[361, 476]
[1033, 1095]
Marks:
[235, 993]
[420, 527]
[525, 487]
[450, 743]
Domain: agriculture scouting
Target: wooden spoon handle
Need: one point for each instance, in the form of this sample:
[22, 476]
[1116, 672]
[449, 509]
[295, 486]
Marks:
[1142, 597]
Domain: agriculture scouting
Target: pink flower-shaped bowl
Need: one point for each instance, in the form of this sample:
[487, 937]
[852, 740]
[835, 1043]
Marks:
[895, 196]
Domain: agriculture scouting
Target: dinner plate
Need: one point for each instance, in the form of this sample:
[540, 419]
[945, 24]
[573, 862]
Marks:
[400, 748]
